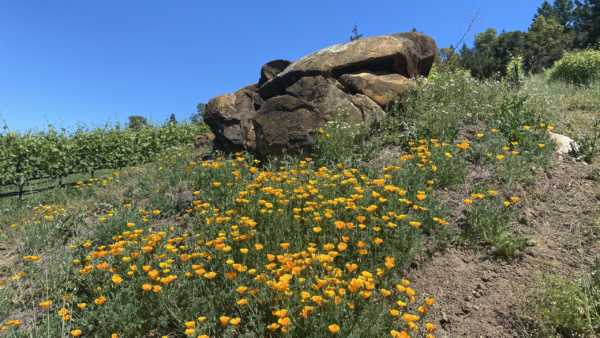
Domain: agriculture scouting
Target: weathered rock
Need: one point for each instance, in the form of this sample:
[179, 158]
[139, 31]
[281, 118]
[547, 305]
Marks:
[371, 112]
[564, 144]
[382, 89]
[285, 124]
[327, 97]
[398, 54]
[271, 69]
[350, 83]
[427, 50]
[229, 118]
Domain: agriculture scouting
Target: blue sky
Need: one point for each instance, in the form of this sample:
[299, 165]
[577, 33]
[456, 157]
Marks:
[87, 63]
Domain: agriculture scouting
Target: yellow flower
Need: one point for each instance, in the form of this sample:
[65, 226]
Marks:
[147, 287]
[82, 306]
[316, 230]
[421, 195]
[100, 300]
[399, 334]
[410, 317]
[464, 145]
[235, 321]
[31, 258]
[415, 224]
[117, 279]
[389, 262]
[210, 275]
[45, 304]
[333, 328]
[156, 288]
[224, 320]
[76, 332]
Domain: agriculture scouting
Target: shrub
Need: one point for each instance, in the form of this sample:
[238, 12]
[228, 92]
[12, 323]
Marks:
[588, 144]
[566, 308]
[515, 73]
[579, 68]
[487, 217]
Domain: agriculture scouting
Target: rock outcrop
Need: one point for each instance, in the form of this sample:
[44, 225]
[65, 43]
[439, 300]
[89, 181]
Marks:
[564, 144]
[354, 81]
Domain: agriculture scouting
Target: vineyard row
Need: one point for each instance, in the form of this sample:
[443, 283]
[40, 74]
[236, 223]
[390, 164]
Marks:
[25, 157]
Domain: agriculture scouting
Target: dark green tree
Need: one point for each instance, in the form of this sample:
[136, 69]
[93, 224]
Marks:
[355, 34]
[561, 10]
[491, 53]
[172, 119]
[197, 116]
[137, 122]
[587, 23]
[546, 41]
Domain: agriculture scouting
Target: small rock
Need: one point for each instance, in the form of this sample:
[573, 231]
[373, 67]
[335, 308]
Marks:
[444, 319]
[564, 144]
[523, 220]
[531, 242]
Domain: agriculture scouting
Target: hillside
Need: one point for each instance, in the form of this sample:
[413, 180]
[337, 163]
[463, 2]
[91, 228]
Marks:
[455, 219]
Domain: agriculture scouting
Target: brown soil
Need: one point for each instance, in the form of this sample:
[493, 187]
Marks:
[479, 296]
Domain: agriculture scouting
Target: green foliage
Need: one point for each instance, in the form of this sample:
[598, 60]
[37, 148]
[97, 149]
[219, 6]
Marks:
[556, 28]
[587, 23]
[340, 141]
[137, 122]
[562, 11]
[579, 68]
[30, 156]
[491, 53]
[564, 308]
[546, 42]
[515, 73]
[447, 101]
[588, 144]
[487, 220]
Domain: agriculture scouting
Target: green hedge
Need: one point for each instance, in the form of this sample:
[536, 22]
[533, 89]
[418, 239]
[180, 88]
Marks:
[580, 68]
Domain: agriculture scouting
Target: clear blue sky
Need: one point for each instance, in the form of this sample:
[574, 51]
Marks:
[89, 62]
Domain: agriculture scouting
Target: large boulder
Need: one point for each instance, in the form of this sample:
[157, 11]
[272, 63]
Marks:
[352, 82]
[327, 96]
[426, 50]
[285, 124]
[229, 118]
[406, 55]
[382, 89]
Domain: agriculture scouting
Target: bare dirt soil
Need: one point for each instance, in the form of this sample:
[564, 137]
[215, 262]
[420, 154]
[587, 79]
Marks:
[482, 296]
